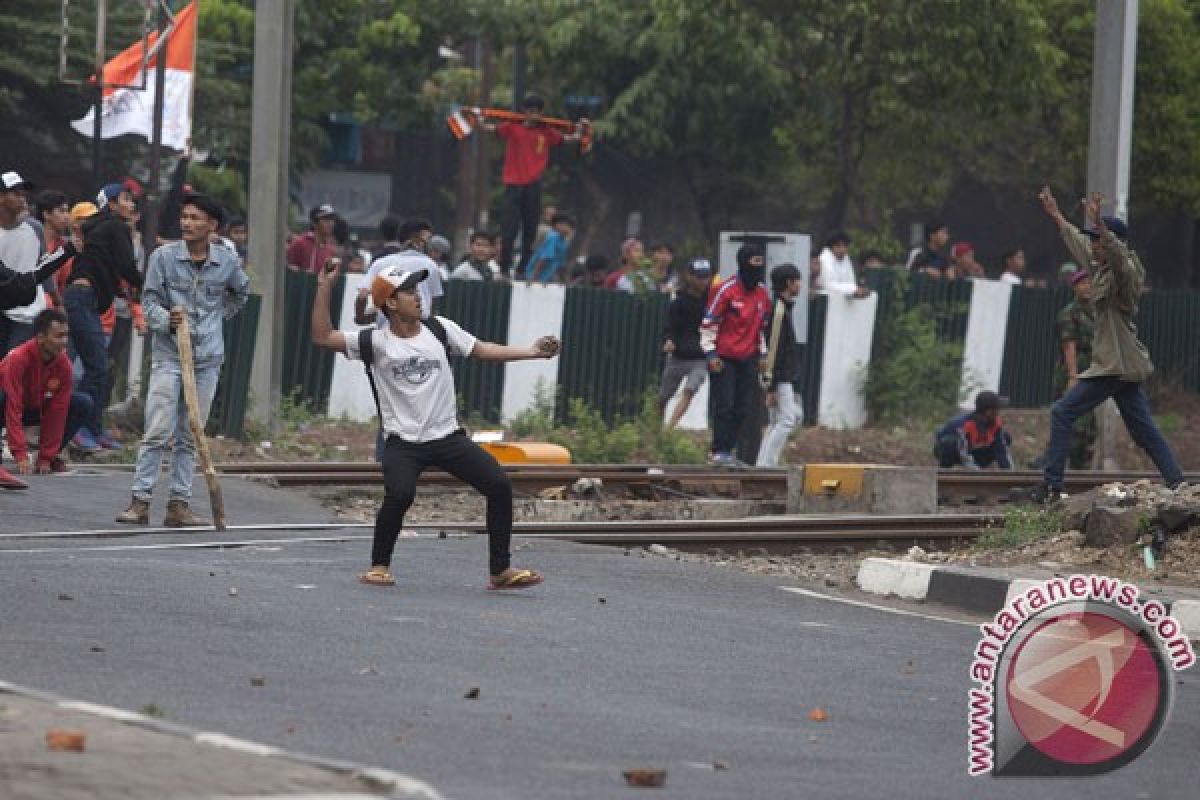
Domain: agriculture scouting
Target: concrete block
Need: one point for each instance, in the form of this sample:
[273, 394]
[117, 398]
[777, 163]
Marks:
[1187, 613]
[890, 576]
[861, 488]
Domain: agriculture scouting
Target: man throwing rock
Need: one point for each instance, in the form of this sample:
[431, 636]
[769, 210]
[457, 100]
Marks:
[408, 362]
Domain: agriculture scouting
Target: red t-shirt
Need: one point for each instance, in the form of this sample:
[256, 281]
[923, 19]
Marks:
[30, 384]
[306, 255]
[527, 152]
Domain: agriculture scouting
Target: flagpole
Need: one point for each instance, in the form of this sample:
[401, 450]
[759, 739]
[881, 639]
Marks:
[153, 199]
[98, 111]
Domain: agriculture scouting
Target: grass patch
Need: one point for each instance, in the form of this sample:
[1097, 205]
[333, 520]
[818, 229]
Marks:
[1022, 526]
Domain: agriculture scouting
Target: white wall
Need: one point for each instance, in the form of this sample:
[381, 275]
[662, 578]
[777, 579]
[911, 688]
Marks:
[983, 350]
[350, 394]
[849, 326]
[535, 311]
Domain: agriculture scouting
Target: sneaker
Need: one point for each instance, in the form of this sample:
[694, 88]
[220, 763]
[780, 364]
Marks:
[59, 466]
[10, 481]
[108, 443]
[1043, 495]
[722, 459]
[83, 440]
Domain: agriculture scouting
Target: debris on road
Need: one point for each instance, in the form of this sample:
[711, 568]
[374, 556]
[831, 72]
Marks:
[646, 778]
[258, 680]
[818, 715]
[472, 693]
[61, 740]
[233, 591]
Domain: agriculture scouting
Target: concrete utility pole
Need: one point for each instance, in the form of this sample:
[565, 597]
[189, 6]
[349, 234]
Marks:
[1110, 141]
[268, 217]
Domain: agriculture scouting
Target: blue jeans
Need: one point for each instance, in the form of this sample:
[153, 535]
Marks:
[166, 417]
[78, 413]
[1135, 411]
[91, 345]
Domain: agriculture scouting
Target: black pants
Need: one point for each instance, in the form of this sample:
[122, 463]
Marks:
[735, 389]
[403, 463]
[522, 207]
[948, 457]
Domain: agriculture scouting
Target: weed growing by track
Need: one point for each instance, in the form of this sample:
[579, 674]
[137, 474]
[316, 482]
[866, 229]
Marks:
[1022, 526]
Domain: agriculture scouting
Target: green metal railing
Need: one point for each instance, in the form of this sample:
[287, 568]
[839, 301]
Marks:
[818, 307]
[228, 415]
[1169, 325]
[482, 309]
[612, 349]
[307, 369]
[1031, 345]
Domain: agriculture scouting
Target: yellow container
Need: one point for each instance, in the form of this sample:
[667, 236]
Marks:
[528, 452]
[845, 480]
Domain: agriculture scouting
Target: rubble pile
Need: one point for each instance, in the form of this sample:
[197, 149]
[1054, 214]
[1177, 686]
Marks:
[1132, 513]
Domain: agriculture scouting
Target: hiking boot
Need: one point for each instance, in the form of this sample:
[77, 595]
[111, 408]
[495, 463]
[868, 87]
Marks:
[180, 516]
[138, 513]
[1042, 495]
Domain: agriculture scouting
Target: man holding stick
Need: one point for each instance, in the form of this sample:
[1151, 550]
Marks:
[408, 363]
[205, 284]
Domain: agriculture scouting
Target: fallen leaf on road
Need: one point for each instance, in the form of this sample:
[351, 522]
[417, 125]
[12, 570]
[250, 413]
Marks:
[818, 715]
[258, 680]
[719, 765]
[65, 597]
[97, 649]
[472, 693]
[601, 599]
[64, 740]
[646, 778]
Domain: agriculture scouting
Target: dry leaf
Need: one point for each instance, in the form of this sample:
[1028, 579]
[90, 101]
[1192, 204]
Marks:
[64, 740]
[472, 693]
[818, 715]
[258, 680]
[646, 778]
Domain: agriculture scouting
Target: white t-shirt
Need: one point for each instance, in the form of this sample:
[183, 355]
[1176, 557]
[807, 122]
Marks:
[410, 260]
[20, 249]
[1008, 277]
[412, 375]
[837, 274]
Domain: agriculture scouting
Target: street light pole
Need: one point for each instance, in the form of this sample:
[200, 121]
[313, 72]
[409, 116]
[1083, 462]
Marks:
[1110, 142]
[268, 217]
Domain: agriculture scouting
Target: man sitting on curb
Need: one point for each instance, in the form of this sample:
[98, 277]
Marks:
[977, 439]
[409, 367]
[35, 390]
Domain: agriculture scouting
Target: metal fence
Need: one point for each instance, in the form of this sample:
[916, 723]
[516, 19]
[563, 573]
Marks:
[483, 309]
[307, 369]
[228, 415]
[612, 349]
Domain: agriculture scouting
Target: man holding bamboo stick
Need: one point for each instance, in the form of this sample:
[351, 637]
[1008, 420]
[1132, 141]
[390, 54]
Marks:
[203, 282]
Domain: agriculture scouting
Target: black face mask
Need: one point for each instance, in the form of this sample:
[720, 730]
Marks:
[752, 276]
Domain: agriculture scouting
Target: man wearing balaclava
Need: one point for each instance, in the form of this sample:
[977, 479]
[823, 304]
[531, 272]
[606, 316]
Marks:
[732, 336]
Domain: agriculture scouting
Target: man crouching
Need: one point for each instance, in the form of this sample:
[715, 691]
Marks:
[408, 363]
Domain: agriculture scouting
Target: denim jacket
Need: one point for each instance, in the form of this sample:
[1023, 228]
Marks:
[211, 294]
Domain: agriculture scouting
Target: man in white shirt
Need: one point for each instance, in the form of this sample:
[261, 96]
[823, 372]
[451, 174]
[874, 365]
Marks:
[408, 362]
[21, 246]
[837, 270]
[414, 236]
[1014, 267]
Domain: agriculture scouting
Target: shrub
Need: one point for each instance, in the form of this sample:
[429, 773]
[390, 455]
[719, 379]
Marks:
[915, 375]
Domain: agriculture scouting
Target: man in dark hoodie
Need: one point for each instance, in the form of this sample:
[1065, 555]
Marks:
[783, 396]
[107, 258]
[731, 337]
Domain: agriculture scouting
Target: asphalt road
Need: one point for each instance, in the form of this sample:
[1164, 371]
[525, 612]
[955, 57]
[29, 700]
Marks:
[618, 661]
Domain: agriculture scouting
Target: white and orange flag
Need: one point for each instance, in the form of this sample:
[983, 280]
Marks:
[132, 110]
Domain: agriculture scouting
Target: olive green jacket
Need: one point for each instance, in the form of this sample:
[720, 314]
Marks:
[1117, 278]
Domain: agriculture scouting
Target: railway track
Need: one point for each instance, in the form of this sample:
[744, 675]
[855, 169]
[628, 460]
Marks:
[953, 485]
[780, 534]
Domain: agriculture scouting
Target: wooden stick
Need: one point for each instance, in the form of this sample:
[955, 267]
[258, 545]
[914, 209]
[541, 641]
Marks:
[188, 367]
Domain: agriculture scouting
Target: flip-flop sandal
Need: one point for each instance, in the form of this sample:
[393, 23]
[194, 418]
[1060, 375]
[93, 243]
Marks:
[377, 576]
[521, 579]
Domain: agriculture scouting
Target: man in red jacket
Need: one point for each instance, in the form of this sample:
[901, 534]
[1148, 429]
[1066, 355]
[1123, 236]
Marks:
[35, 389]
[733, 341]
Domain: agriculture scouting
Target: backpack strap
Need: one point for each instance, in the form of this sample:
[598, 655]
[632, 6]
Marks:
[439, 330]
[366, 349]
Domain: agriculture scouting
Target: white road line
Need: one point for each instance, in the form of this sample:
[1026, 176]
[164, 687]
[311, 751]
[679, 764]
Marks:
[860, 604]
[142, 531]
[185, 545]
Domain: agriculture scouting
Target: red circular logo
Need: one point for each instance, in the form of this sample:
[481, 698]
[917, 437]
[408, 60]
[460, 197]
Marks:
[1084, 688]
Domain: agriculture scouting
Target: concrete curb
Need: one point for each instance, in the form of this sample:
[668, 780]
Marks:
[397, 785]
[978, 590]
